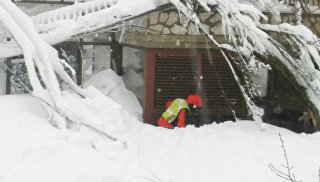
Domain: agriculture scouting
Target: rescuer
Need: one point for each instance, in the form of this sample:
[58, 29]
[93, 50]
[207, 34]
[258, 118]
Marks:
[178, 108]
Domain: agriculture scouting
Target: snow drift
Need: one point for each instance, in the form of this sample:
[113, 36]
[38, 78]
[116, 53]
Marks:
[112, 85]
[34, 151]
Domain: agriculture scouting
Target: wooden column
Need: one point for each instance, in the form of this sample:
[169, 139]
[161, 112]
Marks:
[80, 63]
[8, 76]
[148, 99]
[116, 56]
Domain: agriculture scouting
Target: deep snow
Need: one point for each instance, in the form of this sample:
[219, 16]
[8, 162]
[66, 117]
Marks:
[112, 85]
[32, 150]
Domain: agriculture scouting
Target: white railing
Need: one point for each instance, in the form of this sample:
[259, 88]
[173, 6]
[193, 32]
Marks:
[73, 12]
[61, 24]
[310, 2]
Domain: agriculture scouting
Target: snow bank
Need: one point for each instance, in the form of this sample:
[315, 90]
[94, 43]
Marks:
[111, 85]
[34, 151]
[22, 104]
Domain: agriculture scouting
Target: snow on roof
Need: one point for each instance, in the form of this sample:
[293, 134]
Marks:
[61, 24]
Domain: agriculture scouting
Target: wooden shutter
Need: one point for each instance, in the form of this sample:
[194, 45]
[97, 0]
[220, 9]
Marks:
[220, 91]
[175, 77]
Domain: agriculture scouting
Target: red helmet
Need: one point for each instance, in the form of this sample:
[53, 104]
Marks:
[195, 100]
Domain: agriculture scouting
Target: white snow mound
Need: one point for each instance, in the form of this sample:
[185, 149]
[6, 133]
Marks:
[112, 85]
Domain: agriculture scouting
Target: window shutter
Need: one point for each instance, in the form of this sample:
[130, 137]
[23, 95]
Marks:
[175, 77]
[221, 97]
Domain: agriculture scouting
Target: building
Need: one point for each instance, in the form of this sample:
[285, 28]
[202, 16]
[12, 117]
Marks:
[175, 60]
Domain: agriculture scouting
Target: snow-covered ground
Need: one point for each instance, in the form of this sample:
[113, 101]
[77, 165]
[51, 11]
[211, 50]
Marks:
[32, 150]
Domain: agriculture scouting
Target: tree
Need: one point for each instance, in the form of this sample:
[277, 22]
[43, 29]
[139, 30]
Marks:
[248, 39]
[38, 53]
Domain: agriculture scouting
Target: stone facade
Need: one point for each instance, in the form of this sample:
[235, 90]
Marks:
[168, 22]
[167, 29]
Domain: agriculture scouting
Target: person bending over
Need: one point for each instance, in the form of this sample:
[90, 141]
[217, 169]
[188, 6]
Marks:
[178, 109]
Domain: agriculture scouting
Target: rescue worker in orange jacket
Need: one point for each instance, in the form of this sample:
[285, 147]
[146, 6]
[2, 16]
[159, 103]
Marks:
[177, 109]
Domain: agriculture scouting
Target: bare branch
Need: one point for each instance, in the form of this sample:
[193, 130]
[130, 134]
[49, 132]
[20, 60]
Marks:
[288, 174]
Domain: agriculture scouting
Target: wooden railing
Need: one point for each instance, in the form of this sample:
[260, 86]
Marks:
[310, 2]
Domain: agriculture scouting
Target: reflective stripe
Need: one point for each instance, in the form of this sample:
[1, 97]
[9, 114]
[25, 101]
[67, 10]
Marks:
[170, 120]
[170, 111]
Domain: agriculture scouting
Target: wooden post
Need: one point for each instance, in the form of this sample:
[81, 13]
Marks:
[116, 56]
[8, 76]
[80, 63]
[149, 79]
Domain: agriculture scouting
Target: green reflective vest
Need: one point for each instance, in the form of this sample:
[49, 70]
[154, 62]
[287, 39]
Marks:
[173, 110]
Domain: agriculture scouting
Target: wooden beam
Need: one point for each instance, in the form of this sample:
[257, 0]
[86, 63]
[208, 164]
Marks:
[116, 56]
[97, 43]
[171, 41]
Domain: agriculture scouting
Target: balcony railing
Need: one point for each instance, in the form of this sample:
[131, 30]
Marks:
[310, 2]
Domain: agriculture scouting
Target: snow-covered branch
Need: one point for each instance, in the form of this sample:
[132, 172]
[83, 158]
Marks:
[39, 54]
[247, 37]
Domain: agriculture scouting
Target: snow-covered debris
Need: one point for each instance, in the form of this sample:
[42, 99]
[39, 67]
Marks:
[112, 85]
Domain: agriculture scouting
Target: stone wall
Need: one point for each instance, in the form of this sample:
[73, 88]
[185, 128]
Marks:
[168, 22]
[166, 29]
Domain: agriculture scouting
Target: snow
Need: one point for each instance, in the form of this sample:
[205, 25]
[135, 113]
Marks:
[260, 78]
[62, 24]
[22, 104]
[110, 84]
[33, 150]
[240, 20]
[134, 82]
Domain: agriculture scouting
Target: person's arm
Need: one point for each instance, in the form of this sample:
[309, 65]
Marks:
[181, 119]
